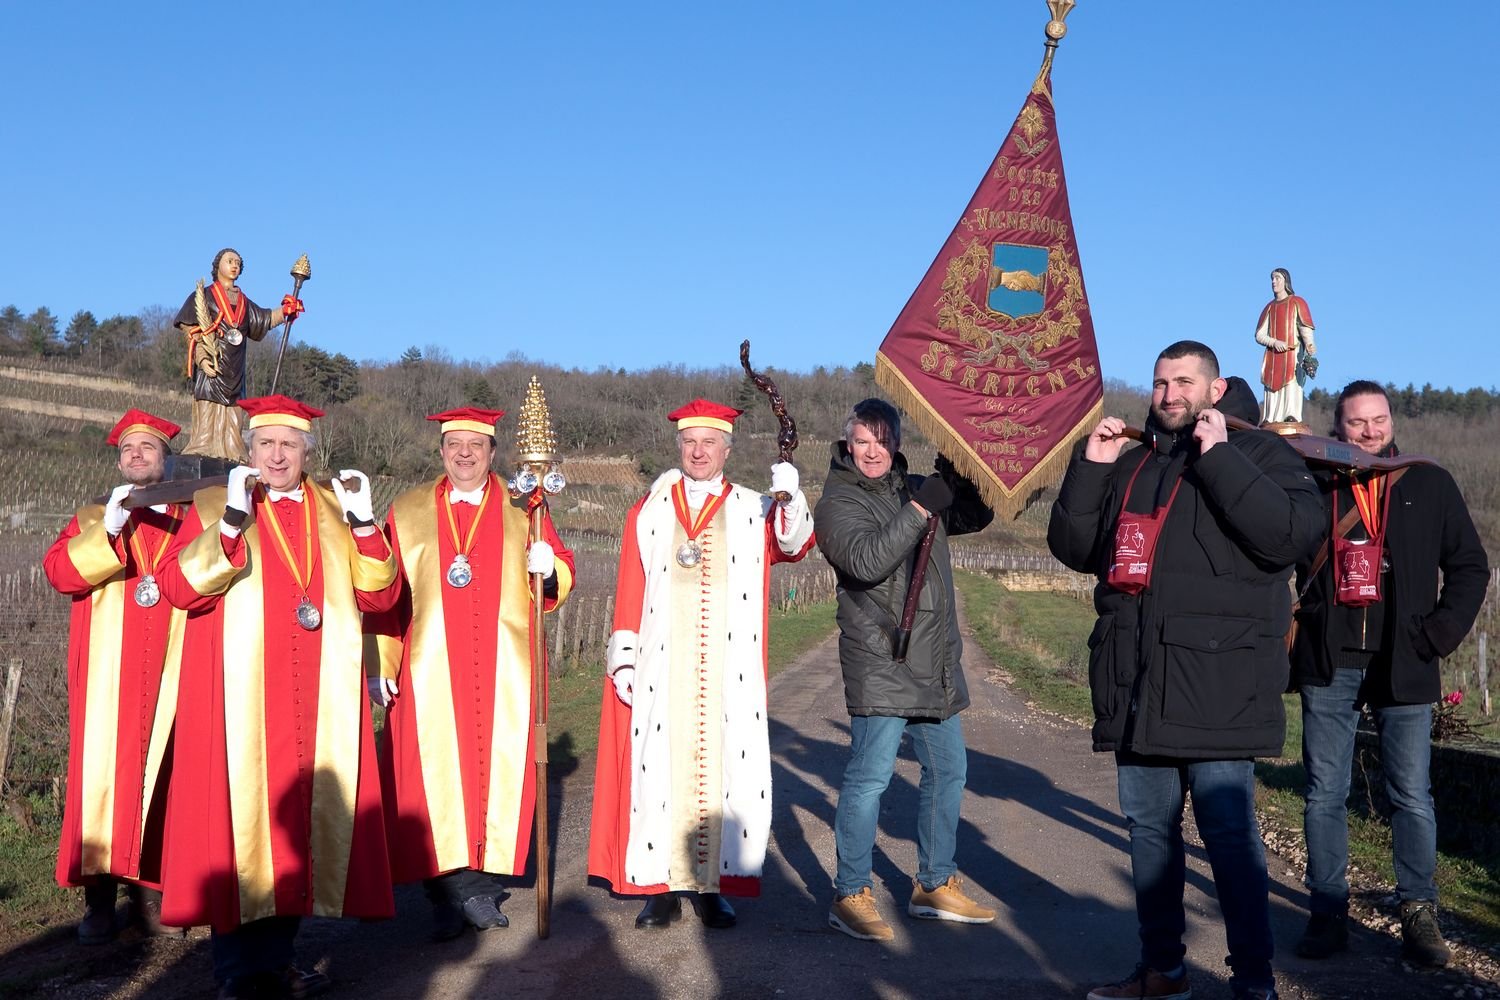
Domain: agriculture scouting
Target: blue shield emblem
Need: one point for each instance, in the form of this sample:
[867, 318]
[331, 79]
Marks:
[1018, 280]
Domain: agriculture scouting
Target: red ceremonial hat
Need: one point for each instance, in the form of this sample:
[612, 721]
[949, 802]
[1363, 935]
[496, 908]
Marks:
[468, 418]
[140, 420]
[703, 413]
[279, 411]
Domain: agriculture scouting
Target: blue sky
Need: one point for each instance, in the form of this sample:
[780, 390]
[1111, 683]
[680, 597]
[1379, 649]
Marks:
[600, 184]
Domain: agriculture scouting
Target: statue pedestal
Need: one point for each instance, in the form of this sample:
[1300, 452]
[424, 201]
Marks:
[1286, 428]
[180, 467]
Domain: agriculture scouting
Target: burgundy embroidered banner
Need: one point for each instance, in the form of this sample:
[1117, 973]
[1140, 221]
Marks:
[994, 355]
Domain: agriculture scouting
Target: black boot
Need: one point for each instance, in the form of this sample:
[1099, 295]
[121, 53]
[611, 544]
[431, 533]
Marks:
[98, 924]
[143, 912]
[714, 910]
[1421, 939]
[660, 910]
[1326, 933]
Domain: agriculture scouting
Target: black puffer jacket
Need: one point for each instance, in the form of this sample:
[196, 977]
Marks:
[1429, 531]
[869, 531]
[1194, 666]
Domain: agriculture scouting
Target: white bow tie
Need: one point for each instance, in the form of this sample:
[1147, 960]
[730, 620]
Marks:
[275, 495]
[471, 497]
[699, 492]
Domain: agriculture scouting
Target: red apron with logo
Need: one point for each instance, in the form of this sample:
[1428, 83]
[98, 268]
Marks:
[1358, 564]
[1136, 536]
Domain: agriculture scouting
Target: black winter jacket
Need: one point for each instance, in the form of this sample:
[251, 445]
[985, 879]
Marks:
[869, 532]
[1429, 530]
[1195, 665]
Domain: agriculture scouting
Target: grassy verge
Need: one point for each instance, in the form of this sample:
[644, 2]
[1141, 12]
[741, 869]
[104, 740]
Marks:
[30, 900]
[1039, 639]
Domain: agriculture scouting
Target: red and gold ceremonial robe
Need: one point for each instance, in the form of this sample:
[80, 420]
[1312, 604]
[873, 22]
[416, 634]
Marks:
[123, 662]
[275, 803]
[1280, 322]
[682, 788]
[456, 771]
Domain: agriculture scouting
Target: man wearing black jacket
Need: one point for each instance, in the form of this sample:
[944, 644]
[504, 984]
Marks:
[1193, 538]
[1376, 639]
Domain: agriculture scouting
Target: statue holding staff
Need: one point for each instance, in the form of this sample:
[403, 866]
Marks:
[217, 320]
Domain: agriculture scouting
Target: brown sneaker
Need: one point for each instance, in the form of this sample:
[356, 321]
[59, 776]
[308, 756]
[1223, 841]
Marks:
[858, 917]
[1145, 984]
[947, 902]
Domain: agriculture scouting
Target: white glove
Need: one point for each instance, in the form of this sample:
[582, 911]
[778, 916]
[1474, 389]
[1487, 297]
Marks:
[382, 690]
[624, 677]
[361, 505]
[539, 558]
[239, 491]
[115, 514]
[784, 479]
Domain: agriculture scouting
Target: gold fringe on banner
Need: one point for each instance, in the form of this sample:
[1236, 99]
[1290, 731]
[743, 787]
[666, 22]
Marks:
[1005, 503]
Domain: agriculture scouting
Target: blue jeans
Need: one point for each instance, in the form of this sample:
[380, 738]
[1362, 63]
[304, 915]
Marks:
[1151, 797]
[874, 740]
[1329, 717]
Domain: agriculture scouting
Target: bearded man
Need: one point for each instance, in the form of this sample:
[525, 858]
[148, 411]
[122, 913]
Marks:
[124, 654]
[1193, 538]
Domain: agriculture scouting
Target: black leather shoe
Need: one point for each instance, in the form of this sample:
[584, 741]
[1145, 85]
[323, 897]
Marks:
[447, 921]
[483, 914]
[660, 910]
[714, 910]
[1326, 934]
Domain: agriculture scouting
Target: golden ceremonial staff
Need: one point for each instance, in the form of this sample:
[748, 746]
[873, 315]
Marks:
[301, 271]
[536, 477]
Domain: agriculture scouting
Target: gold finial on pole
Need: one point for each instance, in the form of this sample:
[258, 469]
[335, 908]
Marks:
[534, 439]
[1056, 29]
[302, 269]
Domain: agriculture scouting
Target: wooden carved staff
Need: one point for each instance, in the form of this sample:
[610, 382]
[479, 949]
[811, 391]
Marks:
[786, 438]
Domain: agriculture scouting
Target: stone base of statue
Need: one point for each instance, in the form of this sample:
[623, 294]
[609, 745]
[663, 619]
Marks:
[1286, 428]
[183, 467]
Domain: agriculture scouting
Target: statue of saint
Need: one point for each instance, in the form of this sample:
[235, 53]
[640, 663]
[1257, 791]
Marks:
[1285, 330]
[217, 322]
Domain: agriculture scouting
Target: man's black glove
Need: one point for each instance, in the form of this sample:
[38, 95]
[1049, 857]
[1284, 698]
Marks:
[934, 495]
